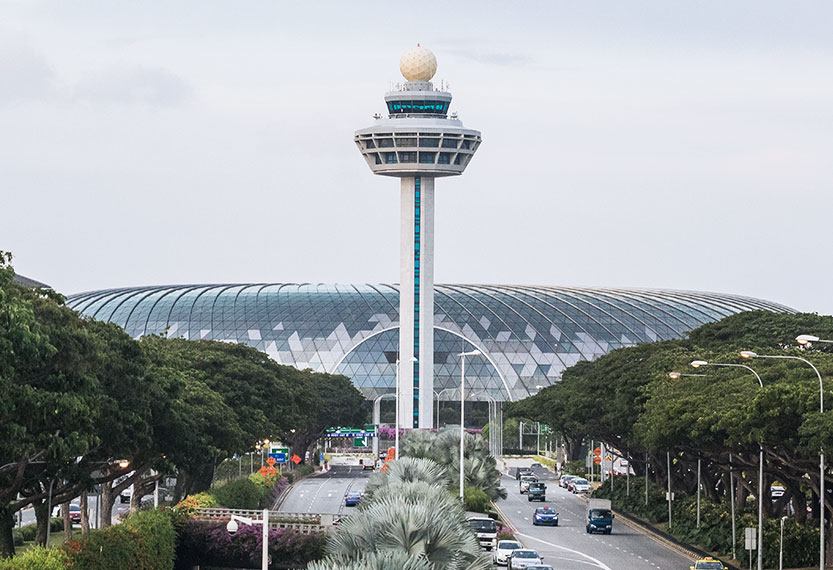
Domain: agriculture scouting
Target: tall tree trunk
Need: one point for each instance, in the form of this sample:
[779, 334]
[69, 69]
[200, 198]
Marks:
[106, 509]
[85, 513]
[6, 534]
[67, 521]
[42, 516]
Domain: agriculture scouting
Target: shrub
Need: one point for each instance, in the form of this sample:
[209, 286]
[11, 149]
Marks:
[209, 543]
[146, 541]
[191, 503]
[37, 558]
[577, 468]
[239, 494]
[476, 500]
[505, 534]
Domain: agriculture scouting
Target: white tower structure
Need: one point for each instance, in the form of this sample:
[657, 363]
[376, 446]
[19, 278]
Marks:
[417, 143]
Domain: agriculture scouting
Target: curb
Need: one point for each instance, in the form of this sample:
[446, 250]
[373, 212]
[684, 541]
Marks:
[661, 537]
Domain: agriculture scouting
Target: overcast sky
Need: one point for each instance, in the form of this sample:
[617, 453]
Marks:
[659, 144]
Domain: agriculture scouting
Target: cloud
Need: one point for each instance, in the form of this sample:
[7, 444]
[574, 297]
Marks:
[134, 85]
[24, 73]
[502, 59]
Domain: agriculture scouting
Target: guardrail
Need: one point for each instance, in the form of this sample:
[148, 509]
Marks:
[305, 523]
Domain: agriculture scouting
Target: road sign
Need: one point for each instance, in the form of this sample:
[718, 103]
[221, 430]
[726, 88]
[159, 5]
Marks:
[279, 454]
[597, 452]
[608, 458]
[270, 461]
[750, 538]
[597, 460]
[359, 442]
[295, 459]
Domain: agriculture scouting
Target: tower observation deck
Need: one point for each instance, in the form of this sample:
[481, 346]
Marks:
[417, 142]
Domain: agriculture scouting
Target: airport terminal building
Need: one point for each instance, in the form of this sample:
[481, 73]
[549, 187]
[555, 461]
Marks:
[528, 335]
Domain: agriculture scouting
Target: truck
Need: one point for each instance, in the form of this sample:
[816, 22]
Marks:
[484, 528]
[537, 491]
[599, 516]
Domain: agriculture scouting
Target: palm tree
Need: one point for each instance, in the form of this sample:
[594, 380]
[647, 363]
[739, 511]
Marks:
[388, 560]
[417, 528]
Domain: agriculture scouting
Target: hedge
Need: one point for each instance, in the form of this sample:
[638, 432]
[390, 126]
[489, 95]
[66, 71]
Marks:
[209, 543]
[145, 541]
[37, 558]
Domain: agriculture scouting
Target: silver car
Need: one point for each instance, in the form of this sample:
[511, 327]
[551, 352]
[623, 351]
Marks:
[524, 557]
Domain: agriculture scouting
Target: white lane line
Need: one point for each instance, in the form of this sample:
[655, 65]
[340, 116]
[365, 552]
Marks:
[597, 562]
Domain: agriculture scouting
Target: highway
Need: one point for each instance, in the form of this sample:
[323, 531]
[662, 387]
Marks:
[324, 493]
[568, 546]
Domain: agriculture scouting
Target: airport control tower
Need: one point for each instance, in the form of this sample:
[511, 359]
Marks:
[417, 143]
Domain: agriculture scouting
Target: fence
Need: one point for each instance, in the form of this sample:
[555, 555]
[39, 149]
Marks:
[305, 523]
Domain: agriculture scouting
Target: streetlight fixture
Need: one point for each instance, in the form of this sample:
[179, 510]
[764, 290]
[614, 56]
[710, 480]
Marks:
[677, 375]
[124, 463]
[805, 339]
[231, 527]
[463, 356]
[751, 354]
[437, 399]
[698, 364]
[781, 551]
[396, 436]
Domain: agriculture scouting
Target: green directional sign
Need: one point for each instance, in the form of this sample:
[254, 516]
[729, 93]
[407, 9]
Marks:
[359, 442]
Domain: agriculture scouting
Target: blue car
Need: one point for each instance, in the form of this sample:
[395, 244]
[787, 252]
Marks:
[545, 516]
[352, 498]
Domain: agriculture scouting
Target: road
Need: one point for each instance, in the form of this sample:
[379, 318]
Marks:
[28, 515]
[568, 546]
[324, 493]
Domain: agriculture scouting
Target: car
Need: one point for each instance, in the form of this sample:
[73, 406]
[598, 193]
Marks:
[523, 558]
[777, 491]
[352, 498]
[534, 465]
[708, 563]
[545, 516]
[504, 550]
[579, 485]
[565, 480]
[75, 513]
[521, 471]
[536, 491]
[523, 486]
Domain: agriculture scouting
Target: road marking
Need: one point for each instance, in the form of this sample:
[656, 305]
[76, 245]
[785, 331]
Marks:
[597, 562]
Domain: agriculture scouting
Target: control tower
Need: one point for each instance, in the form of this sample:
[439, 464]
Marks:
[417, 143]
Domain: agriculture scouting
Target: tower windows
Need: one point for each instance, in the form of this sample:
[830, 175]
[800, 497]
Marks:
[427, 157]
[444, 158]
[450, 143]
[429, 142]
[385, 143]
[390, 158]
[407, 157]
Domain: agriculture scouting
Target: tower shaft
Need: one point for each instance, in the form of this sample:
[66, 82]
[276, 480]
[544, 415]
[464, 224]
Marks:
[416, 302]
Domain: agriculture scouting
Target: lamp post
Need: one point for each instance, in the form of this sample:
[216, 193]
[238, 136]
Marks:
[463, 356]
[805, 339]
[231, 527]
[396, 435]
[437, 398]
[781, 550]
[697, 364]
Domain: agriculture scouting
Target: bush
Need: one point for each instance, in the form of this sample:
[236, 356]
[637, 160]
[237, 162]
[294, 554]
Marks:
[146, 541]
[300, 472]
[209, 543]
[476, 500]
[239, 494]
[37, 558]
[191, 503]
[577, 468]
[505, 534]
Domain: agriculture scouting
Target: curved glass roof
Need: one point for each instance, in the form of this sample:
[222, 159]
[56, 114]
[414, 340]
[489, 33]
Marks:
[528, 334]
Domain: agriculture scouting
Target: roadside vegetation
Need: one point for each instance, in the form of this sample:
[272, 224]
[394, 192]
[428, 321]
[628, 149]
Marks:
[719, 415]
[85, 406]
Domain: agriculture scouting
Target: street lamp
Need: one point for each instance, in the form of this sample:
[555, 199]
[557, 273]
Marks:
[231, 527]
[463, 356]
[437, 399]
[804, 339]
[677, 375]
[750, 354]
[396, 436]
[697, 364]
[781, 551]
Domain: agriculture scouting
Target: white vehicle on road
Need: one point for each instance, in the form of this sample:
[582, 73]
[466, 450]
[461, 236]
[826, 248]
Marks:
[504, 550]
[525, 481]
[524, 557]
[580, 486]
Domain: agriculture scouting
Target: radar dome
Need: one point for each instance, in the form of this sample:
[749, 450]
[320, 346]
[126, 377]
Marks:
[418, 64]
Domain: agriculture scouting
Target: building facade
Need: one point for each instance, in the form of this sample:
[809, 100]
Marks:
[528, 335]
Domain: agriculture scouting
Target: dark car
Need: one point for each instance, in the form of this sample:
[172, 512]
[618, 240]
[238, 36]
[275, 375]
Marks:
[545, 516]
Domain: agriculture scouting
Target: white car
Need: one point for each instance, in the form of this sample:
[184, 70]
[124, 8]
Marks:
[523, 486]
[504, 550]
[523, 557]
[580, 486]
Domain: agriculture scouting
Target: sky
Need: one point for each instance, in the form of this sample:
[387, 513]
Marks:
[652, 144]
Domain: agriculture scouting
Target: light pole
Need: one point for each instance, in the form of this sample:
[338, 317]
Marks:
[396, 435]
[697, 364]
[463, 356]
[804, 339]
[781, 550]
[437, 398]
[231, 527]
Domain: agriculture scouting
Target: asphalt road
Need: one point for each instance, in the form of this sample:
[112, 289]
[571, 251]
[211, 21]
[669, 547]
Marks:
[324, 493]
[568, 546]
